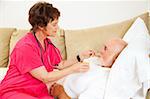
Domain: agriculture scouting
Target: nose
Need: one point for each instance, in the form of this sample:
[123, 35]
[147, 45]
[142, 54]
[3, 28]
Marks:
[98, 54]
[56, 27]
[101, 52]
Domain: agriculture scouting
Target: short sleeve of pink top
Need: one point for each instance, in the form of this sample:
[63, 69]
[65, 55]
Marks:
[27, 56]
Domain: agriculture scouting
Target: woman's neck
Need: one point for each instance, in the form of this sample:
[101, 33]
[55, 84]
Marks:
[40, 36]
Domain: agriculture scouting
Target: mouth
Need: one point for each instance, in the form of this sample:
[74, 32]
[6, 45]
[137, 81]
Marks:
[55, 32]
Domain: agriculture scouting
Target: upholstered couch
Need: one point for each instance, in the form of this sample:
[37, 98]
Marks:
[70, 42]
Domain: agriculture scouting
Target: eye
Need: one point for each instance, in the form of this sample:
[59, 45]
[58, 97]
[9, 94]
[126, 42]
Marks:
[105, 48]
[54, 25]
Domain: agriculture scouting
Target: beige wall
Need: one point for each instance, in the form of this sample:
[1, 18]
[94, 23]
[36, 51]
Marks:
[148, 5]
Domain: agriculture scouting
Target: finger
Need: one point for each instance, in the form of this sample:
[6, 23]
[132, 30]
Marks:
[84, 70]
[85, 67]
[85, 63]
[52, 88]
[53, 84]
[51, 91]
[97, 54]
[91, 52]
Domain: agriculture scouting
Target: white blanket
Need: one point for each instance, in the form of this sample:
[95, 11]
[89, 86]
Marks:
[89, 85]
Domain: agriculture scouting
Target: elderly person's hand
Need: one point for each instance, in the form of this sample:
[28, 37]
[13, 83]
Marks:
[58, 91]
[86, 54]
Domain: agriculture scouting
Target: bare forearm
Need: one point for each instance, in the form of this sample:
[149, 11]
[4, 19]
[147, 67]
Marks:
[49, 77]
[56, 75]
[67, 63]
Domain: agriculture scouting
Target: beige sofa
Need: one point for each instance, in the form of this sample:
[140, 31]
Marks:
[70, 42]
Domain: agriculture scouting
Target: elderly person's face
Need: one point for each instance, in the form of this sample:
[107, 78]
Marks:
[110, 51]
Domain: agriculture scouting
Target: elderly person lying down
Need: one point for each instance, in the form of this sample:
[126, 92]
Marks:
[91, 84]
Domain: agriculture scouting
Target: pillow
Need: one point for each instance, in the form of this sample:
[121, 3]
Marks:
[131, 68]
[138, 29]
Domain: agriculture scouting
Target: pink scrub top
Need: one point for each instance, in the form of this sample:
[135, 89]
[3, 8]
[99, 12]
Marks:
[25, 57]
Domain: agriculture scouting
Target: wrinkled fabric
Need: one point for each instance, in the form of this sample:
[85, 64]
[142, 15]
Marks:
[88, 85]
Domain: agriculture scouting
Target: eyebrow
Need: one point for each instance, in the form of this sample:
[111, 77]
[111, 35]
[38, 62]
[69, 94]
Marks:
[55, 23]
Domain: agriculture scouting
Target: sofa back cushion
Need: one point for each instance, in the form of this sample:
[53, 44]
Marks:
[5, 34]
[93, 38]
[16, 36]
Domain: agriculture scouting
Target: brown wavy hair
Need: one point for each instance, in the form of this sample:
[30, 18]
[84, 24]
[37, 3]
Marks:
[41, 13]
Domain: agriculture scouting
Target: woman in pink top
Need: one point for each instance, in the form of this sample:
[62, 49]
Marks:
[34, 57]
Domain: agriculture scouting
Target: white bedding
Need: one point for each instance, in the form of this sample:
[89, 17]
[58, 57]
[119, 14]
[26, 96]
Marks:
[89, 85]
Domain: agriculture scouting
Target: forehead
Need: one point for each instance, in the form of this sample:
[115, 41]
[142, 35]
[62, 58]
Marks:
[110, 44]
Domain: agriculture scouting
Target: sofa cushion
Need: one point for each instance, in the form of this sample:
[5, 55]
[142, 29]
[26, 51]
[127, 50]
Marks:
[5, 34]
[93, 38]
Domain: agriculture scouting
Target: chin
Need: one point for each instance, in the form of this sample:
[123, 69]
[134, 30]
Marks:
[52, 35]
[48, 35]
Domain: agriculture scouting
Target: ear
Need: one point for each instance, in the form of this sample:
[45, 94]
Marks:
[40, 28]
